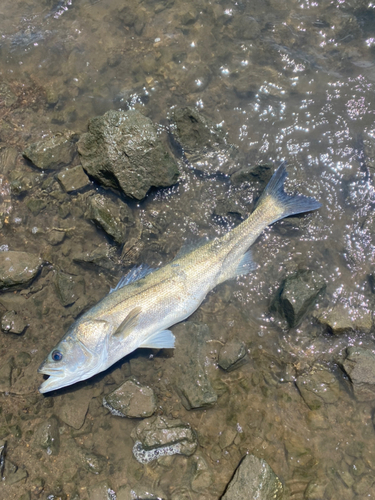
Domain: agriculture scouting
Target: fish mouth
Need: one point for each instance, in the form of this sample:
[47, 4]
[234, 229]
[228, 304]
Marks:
[56, 380]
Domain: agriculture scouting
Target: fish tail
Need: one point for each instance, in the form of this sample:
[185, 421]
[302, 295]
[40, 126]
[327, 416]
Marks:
[286, 204]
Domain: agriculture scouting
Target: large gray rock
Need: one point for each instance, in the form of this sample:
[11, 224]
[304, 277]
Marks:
[131, 400]
[254, 478]
[360, 366]
[161, 436]
[318, 386]
[18, 269]
[193, 385]
[297, 295]
[52, 153]
[112, 217]
[122, 151]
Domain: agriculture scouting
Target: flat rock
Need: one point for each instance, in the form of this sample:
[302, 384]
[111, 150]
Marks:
[47, 436]
[52, 153]
[18, 269]
[318, 386]
[131, 400]
[68, 288]
[112, 217]
[193, 385]
[254, 478]
[232, 355]
[339, 320]
[360, 367]
[11, 322]
[297, 295]
[160, 436]
[122, 151]
[72, 407]
[73, 179]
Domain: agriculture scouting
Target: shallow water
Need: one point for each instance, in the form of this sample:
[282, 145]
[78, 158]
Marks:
[290, 80]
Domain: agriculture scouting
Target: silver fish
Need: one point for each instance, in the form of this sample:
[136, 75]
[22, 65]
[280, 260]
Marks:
[139, 311]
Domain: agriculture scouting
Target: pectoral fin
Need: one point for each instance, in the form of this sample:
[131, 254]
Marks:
[160, 340]
[129, 323]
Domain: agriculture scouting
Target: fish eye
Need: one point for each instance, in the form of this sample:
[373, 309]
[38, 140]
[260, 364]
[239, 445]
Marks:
[57, 355]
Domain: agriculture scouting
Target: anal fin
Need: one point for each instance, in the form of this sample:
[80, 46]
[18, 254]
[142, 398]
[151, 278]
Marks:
[160, 340]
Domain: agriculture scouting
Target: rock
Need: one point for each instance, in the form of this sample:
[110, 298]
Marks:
[340, 320]
[360, 367]
[194, 131]
[55, 237]
[72, 407]
[13, 474]
[101, 491]
[193, 385]
[36, 206]
[103, 256]
[18, 269]
[232, 355]
[52, 153]
[254, 478]
[110, 216]
[297, 295]
[131, 400]
[317, 387]
[92, 462]
[7, 97]
[137, 492]
[11, 322]
[227, 437]
[161, 436]
[315, 490]
[257, 173]
[73, 179]
[202, 478]
[122, 151]
[5, 375]
[68, 288]
[47, 436]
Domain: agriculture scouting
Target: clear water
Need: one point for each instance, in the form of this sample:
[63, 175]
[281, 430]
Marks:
[287, 80]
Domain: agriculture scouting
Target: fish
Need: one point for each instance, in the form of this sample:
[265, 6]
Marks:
[140, 310]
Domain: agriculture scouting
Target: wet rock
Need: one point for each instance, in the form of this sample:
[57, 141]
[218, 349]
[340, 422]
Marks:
[122, 151]
[36, 205]
[193, 385]
[256, 173]
[23, 182]
[340, 320]
[317, 387]
[92, 462]
[5, 375]
[137, 492]
[72, 407]
[68, 288]
[131, 400]
[52, 153]
[161, 436]
[13, 474]
[47, 436]
[194, 131]
[25, 496]
[112, 217]
[232, 355]
[103, 256]
[18, 269]
[73, 179]
[360, 367]
[102, 491]
[55, 237]
[254, 478]
[202, 478]
[297, 295]
[7, 97]
[11, 322]
[315, 490]
[227, 437]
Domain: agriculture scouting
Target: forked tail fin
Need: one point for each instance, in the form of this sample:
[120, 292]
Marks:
[287, 204]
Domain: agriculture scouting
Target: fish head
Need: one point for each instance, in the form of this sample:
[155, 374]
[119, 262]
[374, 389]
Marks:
[82, 353]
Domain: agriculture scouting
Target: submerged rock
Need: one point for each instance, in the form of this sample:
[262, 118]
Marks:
[254, 478]
[13, 474]
[47, 436]
[52, 153]
[11, 322]
[73, 179]
[193, 385]
[360, 367]
[232, 355]
[110, 216]
[68, 288]
[102, 491]
[72, 407]
[103, 256]
[131, 400]
[160, 436]
[5, 375]
[122, 151]
[297, 295]
[18, 269]
[317, 387]
[137, 492]
[340, 320]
